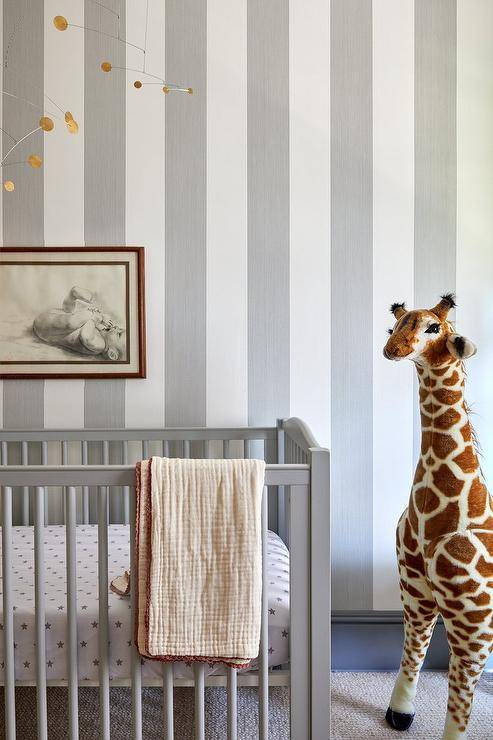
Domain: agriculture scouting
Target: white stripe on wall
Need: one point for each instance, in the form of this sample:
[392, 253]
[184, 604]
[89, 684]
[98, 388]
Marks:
[474, 208]
[64, 179]
[393, 255]
[227, 361]
[309, 86]
[145, 146]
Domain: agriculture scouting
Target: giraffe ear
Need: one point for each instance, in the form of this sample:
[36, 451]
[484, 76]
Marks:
[460, 347]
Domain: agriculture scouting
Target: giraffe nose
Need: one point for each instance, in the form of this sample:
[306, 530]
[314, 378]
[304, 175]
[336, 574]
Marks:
[387, 354]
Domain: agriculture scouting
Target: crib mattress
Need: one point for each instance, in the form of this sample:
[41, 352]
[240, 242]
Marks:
[120, 623]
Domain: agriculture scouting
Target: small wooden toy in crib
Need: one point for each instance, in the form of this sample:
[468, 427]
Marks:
[445, 536]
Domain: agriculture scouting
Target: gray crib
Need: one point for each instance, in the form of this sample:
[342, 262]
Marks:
[87, 476]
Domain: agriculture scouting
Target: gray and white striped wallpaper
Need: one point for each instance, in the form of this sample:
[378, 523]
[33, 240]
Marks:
[335, 156]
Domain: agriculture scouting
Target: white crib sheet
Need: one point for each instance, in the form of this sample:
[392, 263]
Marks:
[120, 627]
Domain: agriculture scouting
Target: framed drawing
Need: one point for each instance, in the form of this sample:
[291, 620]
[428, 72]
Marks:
[72, 312]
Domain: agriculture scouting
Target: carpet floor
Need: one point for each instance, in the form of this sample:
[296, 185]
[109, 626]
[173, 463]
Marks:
[360, 700]
[152, 708]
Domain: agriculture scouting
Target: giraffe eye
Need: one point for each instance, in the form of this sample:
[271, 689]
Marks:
[390, 331]
[433, 329]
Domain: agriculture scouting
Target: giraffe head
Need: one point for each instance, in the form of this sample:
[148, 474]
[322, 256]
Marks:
[425, 336]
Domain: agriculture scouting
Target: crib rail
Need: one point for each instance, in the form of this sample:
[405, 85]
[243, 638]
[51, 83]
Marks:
[123, 446]
[297, 480]
[170, 434]
[77, 476]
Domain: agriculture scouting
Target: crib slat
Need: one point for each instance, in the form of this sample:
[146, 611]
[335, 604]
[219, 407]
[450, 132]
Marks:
[263, 684]
[186, 448]
[207, 449]
[281, 493]
[199, 672]
[232, 704]
[5, 455]
[104, 682]
[44, 461]
[39, 593]
[225, 449]
[8, 614]
[168, 718]
[126, 489]
[145, 449]
[247, 448]
[71, 549]
[165, 448]
[85, 489]
[25, 489]
[64, 462]
[136, 667]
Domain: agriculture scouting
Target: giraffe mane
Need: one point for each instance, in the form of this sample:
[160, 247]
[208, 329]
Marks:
[474, 435]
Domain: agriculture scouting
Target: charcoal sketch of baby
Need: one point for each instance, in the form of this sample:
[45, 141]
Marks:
[81, 326]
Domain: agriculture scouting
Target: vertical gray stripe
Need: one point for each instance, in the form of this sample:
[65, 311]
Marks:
[435, 152]
[185, 293]
[268, 210]
[352, 299]
[104, 174]
[23, 405]
[435, 141]
[23, 219]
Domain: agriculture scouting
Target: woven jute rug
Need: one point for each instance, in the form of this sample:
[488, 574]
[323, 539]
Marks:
[152, 710]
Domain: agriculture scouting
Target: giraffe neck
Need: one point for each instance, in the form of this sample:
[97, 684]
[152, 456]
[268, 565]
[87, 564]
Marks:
[448, 492]
[442, 404]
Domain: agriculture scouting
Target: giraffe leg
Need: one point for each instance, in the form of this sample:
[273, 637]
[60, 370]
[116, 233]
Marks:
[420, 614]
[464, 674]
[460, 570]
[419, 621]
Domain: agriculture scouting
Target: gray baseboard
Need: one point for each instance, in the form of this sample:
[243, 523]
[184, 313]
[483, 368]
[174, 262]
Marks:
[372, 641]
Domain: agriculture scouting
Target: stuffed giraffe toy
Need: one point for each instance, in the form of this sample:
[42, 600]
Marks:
[445, 536]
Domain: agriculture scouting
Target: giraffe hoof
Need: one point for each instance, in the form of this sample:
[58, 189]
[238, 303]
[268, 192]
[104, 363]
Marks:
[398, 720]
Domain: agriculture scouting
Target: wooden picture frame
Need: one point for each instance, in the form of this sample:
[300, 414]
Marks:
[72, 312]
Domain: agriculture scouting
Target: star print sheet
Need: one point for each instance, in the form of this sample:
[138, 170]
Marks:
[120, 622]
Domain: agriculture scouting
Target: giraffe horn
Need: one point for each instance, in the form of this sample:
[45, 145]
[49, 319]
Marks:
[442, 308]
[398, 309]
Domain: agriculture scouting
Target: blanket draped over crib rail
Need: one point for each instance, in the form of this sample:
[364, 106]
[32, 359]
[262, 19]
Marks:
[198, 560]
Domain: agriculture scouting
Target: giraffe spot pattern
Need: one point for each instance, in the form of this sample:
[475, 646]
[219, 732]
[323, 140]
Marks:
[480, 600]
[419, 474]
[484, 568]
[443, 522]
[431, 409]
[426, 500]
[477, 499]
[461, 548]
[446, 396]
[452, 379]
[449, 418]
[487, 540]
[446, 482]
[441, 444]
[467, 460]
[446, 569]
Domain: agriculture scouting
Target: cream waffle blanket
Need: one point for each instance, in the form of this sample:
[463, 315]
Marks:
[198, 559]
